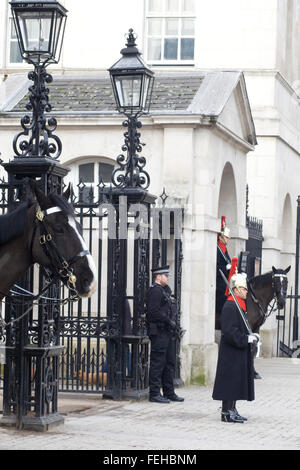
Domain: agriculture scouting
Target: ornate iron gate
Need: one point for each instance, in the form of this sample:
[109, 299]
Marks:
[105, 338]
[254, 243]
[3, 210]
[287, 344]
[288, 341]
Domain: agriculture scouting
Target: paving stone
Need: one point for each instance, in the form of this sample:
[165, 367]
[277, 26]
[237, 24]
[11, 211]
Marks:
[273, 420]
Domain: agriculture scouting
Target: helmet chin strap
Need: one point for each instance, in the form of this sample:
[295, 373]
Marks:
[223, 238]
[239, 291]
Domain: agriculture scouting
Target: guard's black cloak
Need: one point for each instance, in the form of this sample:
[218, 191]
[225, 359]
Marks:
[235, 372]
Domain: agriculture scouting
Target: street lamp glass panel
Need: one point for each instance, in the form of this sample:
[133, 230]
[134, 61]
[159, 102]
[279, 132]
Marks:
[36, 31]
[129, 91]
[40, 29]
[145, 91]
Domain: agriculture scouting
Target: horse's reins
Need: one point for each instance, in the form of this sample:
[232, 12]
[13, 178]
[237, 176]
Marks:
[59, 265]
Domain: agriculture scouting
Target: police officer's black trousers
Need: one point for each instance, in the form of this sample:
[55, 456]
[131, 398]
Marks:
[162, 364]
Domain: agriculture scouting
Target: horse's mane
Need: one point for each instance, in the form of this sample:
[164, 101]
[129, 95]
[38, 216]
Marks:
[263, 279]
[12, 225]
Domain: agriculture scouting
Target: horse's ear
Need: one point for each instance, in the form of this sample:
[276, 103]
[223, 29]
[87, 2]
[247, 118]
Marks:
[30, 191]
[274, 270]
[40, 196]
[68, 192]
[287, 270]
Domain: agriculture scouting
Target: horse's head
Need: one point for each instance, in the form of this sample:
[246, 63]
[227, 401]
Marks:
[280, 284]
[57, 243]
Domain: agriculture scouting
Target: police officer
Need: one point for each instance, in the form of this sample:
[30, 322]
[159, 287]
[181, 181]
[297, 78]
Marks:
[223, 263]
[235, 372]
[161, 333]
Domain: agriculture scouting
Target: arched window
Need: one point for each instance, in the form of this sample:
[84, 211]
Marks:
[88, 174]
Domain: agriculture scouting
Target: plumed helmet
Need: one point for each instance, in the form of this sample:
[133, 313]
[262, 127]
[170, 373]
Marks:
[225, 231]
[233, 271]
[239, 280]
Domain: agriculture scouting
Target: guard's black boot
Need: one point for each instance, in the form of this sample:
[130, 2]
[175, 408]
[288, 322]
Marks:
[237, 413]
[228, 414]
[257, 375]
[159, 399]
[230, 417]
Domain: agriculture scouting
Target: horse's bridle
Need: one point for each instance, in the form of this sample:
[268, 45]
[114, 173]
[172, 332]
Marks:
[60, 267]
[263, 313]
[282, 293]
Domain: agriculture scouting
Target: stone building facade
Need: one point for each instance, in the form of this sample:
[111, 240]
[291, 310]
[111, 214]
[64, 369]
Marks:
[200, 135]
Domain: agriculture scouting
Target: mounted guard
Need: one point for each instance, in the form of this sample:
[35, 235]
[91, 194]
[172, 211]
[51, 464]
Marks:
[223, 264]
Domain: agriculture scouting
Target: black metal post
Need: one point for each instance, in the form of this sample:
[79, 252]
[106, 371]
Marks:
[31, 372]
[296, 319]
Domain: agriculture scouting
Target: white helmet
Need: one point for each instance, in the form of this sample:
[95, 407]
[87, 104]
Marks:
[239, 280]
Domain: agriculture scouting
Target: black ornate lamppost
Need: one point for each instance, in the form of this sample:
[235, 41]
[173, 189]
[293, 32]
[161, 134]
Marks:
[132, 82]
[32, 345]
[40, 27]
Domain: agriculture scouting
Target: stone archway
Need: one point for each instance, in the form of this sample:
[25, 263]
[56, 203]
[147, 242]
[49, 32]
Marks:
[227, 204]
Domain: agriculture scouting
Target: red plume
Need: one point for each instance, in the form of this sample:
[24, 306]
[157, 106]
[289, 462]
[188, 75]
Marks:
[223, 222]
[233, 270]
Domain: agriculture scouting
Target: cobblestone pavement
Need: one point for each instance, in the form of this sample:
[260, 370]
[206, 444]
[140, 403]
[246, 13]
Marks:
[273, 420]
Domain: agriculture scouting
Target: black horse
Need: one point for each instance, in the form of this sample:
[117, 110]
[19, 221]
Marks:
[262, 290]
[43, 230]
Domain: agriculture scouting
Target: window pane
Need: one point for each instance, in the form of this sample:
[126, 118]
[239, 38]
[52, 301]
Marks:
[105, 172]
[188, 27]
[171, 48]
[155, 5]
[15, 55]
[172, 27]
[86, 195]
[154, 27]
[154, 49]
[13, 34]
[188, 6]
[187, 49]
[172, 5]
[86, 173]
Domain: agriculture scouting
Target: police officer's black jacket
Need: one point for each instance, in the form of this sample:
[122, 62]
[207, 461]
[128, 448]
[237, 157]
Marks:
[235, 371]
[159, 305]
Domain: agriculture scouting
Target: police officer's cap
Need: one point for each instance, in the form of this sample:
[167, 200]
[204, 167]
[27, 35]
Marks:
[161, 270]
